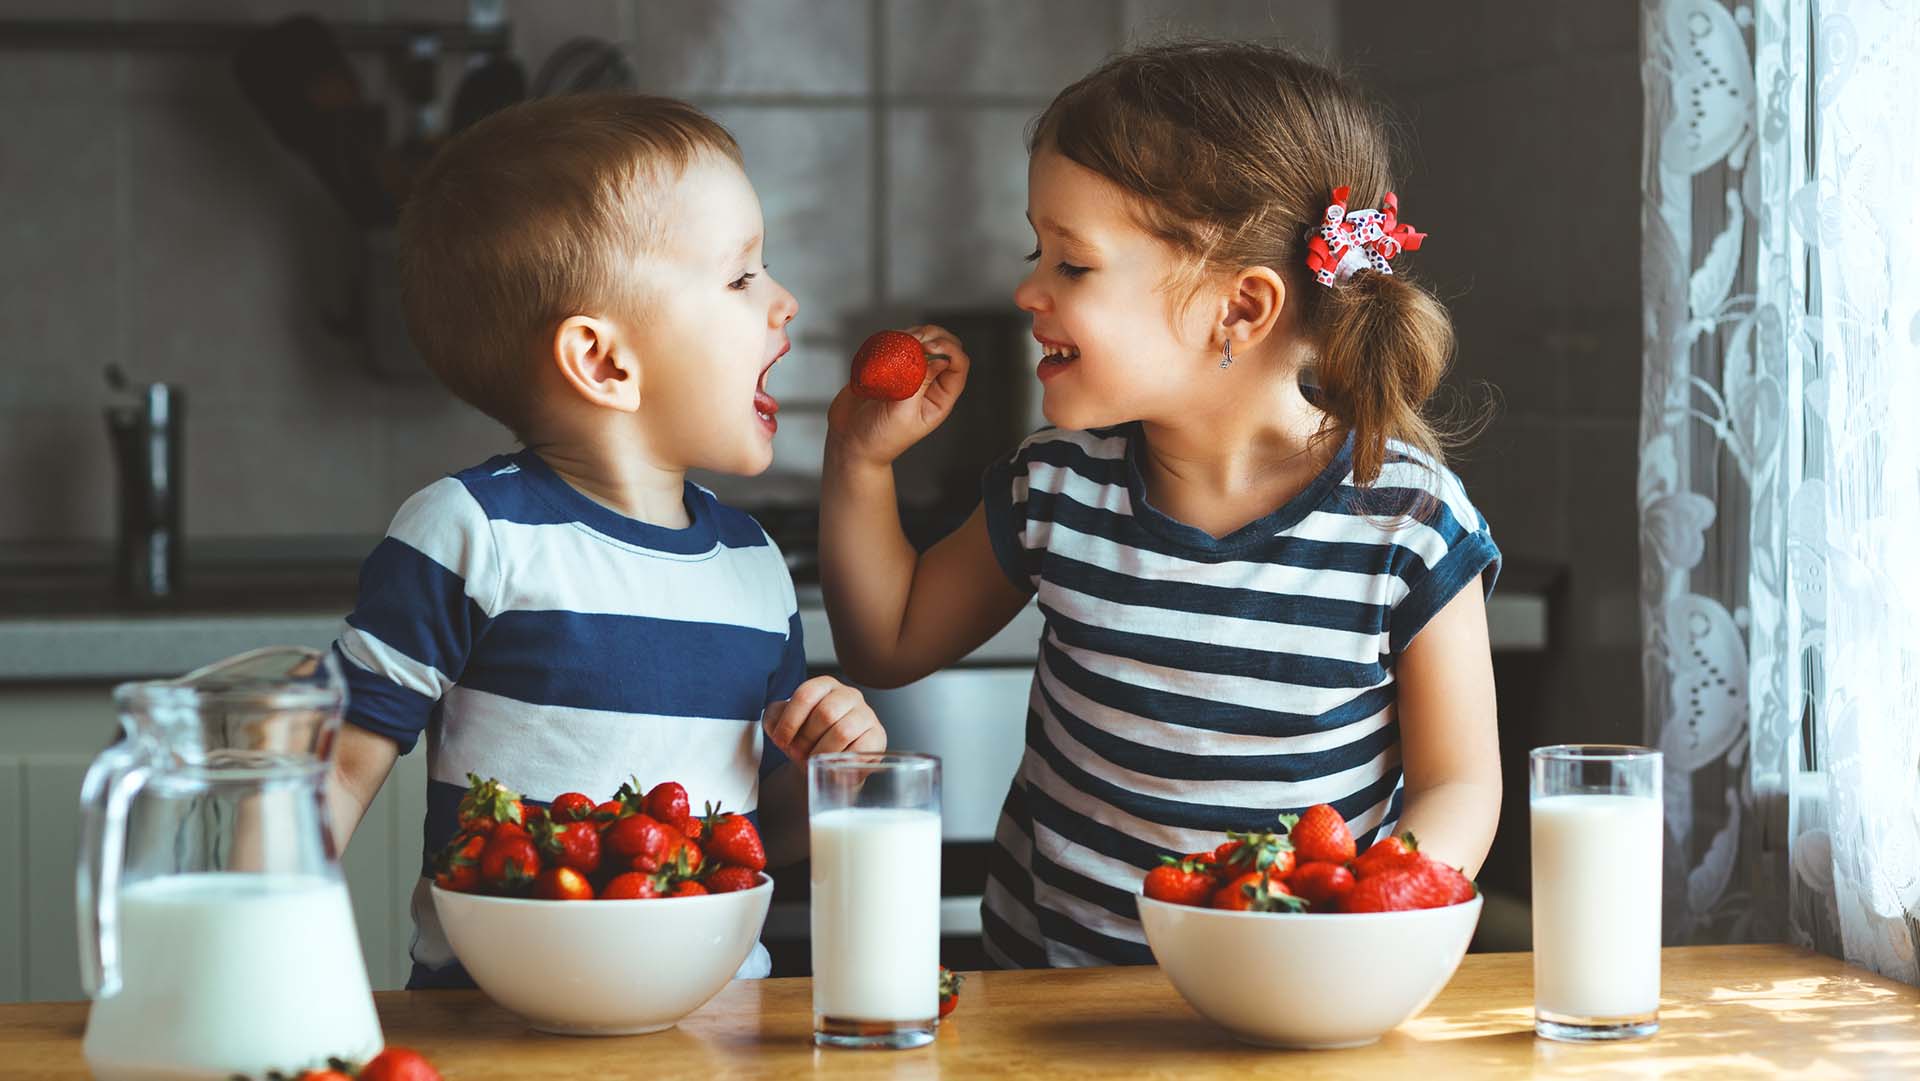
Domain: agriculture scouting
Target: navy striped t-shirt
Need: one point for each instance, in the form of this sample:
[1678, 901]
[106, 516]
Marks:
[1188, 685]
[538, 637]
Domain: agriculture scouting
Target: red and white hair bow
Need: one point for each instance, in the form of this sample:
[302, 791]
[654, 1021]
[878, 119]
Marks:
[1349, 241]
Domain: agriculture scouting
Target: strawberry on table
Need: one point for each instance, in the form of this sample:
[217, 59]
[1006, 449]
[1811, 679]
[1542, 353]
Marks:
[1181, 882]
[949, 990]
[890, 366]
[399, 1064]
[1320, 835]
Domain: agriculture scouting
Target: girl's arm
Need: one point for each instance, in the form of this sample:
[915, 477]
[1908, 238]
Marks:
[898, 614]
[1449, 737]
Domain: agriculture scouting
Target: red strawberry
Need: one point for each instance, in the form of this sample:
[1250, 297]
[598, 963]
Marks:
[1255, 892]
[606, 814]
[562, 884]
[668, 802]
[324, 1075]
[509, 862]
[575, 845]
[1418, 883]
[457, 867]
[1386, 854]
[890, 366]
[691, 826]
[949, 990]
[730, 838]
[631, 886]
[640, 837]
[1321, 836]
[1181, 882]
[687, 888]
[731, 879]
[487, 802]
[1258, 851]
[399, 1064]
[571, 807]
[1322, 885]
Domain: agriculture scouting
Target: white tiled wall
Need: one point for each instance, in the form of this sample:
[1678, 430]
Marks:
[148, 219]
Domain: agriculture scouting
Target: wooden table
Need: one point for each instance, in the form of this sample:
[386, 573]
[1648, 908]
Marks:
[1727, 1011]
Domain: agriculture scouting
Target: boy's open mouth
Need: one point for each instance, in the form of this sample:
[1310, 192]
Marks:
[1058, 356]
[766, 405]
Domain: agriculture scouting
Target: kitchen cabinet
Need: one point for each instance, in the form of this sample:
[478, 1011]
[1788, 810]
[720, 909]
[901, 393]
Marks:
[48, 736]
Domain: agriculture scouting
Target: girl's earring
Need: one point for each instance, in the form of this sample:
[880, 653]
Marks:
[1226, 352]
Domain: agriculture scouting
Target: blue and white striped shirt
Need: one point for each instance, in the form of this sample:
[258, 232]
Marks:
[1188, 684]
[541, 638]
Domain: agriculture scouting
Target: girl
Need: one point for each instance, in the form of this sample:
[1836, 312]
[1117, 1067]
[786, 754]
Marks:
[1256, 592]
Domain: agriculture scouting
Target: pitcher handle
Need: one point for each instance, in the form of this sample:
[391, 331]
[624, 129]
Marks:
[106, 793]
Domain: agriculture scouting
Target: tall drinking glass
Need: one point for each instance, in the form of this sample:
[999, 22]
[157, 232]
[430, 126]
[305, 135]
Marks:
[875, 826]
[1596, 891]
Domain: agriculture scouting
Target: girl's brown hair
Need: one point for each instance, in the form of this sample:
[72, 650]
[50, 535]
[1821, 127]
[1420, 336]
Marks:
[1233, 152]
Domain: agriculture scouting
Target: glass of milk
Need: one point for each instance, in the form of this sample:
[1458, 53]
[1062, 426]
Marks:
[874, 822]
[1597, 835]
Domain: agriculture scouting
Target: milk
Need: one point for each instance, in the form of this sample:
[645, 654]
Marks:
[876, 914]
[1596, 906]
[225, 973]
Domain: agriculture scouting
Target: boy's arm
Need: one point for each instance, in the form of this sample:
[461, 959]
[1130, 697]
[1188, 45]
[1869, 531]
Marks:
[361, 762]
[1449, 737]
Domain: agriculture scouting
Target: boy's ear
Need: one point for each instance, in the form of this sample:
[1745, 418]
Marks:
[1255, 301]
[596, 363]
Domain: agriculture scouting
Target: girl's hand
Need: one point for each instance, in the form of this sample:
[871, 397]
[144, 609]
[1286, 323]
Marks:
[878, 432]
[823, 716]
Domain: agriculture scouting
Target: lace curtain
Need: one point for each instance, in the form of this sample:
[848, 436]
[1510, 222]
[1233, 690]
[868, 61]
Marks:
[1780, 469]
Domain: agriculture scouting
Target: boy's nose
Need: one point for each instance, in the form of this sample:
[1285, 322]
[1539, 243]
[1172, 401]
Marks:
[785, 308]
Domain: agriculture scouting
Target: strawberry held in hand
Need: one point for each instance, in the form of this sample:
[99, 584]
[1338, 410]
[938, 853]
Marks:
[890, 366]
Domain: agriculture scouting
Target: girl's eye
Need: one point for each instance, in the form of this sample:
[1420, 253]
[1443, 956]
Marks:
[740, 283]
[1069, 271]
[1033, 256]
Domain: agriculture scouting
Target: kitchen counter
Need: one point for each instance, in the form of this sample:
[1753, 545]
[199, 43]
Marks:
[59, 621]
[1727, 1012]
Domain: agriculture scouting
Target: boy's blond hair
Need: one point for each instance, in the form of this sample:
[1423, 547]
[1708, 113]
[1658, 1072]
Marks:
[537, 213]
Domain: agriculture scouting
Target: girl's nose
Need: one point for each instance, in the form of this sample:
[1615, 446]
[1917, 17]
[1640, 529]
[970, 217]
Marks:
[1027, 296]
[785, 308]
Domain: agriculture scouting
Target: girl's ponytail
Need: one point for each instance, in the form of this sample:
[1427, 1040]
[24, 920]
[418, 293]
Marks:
[1384, 344]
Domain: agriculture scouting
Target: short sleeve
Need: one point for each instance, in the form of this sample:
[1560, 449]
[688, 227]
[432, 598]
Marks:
[424, 597]
[1004, 498]
[1454, 547]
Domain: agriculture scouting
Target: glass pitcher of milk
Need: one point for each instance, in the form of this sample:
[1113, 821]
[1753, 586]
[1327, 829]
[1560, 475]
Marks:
[216, 937]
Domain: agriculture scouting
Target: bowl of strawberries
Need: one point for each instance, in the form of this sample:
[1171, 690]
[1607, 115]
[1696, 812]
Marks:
[1293, 939]
[600, 918]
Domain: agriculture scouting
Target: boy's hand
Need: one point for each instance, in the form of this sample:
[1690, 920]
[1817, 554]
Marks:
[879, 431]
[824, 715]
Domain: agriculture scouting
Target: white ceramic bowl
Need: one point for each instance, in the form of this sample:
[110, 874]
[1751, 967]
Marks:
[1308, 980]
[603, 968]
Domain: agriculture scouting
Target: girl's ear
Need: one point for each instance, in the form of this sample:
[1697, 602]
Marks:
[596, 363]
[1256, 298]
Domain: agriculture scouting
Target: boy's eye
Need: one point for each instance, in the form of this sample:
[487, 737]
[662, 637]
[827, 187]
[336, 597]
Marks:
[1033, 256]
[1069, 271]
[741, 282]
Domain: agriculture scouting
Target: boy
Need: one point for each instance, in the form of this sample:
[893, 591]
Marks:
[587, 271]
